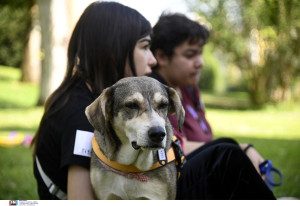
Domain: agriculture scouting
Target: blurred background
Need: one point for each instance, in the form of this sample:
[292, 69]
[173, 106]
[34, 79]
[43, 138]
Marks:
[250, 82]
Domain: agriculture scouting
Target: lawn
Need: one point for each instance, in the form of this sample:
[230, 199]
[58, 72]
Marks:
[17, 113]
[273, 131]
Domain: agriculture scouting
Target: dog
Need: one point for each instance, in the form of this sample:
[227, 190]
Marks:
[132, 130]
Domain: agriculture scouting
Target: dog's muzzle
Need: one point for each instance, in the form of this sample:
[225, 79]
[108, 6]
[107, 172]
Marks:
[156, 135]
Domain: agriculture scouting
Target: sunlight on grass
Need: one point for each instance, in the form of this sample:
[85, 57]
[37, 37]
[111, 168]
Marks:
[20, 120]
[9, 73]
[13, 93]
[17, 103]
[17, 113]
[256, 124]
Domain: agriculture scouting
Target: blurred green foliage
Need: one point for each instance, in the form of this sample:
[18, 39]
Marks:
[208, 76]
[15, 24]
[261, 39]
[212, 78]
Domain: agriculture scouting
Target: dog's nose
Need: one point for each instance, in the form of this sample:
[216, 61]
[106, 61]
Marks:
[156, 134]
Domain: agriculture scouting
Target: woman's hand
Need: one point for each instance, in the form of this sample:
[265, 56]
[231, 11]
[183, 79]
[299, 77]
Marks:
[79, 184]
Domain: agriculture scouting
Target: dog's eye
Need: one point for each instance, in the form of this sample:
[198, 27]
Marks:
[162, 106]
[132, 105]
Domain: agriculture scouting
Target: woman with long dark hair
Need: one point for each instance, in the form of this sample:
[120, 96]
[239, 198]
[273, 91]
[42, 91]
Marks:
[110, 41]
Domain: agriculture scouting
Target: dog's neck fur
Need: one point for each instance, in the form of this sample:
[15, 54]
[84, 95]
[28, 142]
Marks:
[139, 176]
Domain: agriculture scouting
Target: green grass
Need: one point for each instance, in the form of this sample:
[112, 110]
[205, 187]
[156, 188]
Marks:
[13, 93]
[256, 123]
[274, 131]
[16, 174]
[17, 113]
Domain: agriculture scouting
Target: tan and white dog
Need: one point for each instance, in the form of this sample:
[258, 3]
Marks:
[132, 134]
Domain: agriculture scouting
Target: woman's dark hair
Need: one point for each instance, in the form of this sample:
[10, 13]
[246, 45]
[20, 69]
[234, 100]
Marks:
[172, 30]
[102, 41]
[104, 37]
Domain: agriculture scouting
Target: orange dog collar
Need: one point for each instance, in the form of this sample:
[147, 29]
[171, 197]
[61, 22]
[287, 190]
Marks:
[129, 168]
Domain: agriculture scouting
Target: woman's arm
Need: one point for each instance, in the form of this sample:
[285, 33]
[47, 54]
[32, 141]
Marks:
[79, 184]
[190, 146]
[254, 156]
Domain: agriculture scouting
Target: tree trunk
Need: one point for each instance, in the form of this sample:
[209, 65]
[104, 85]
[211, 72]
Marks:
[31, 64]
[54, 30]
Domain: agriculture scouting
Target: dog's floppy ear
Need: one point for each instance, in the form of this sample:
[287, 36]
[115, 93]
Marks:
[99, 115]
[96, 112]
[176, 106]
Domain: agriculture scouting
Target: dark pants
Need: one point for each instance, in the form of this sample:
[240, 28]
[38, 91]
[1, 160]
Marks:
[220, 170]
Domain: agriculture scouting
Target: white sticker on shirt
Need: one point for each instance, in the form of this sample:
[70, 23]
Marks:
[83, 143]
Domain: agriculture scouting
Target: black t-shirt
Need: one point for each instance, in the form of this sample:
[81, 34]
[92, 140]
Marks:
[57, 138]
